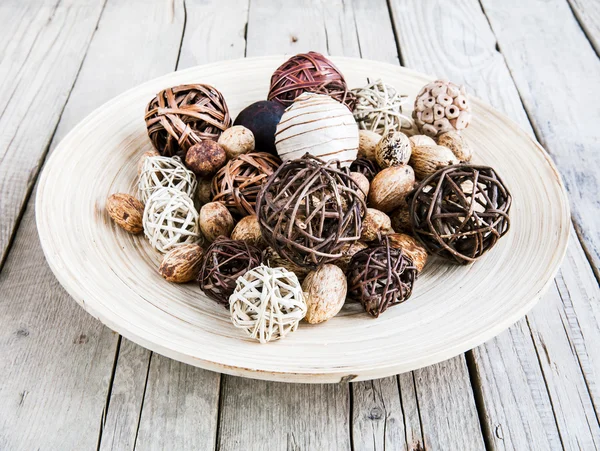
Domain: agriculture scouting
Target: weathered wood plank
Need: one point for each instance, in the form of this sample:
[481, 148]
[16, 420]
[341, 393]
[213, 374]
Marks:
[45, 43]
[558, 87]
[588, 16]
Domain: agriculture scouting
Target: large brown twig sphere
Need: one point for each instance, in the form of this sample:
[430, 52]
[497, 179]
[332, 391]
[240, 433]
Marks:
[226, 260]
[182, 116]
[310, 72]
[309, 209]
[380, 277]
[460, 212]
[238, 183]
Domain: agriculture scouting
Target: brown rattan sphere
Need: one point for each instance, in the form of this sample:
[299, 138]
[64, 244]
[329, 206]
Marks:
[366, 167]
[309, 209]
[225, 260]
[182, 116]
[310, 72]
[238, 183]
[460, 212]
[380, 276]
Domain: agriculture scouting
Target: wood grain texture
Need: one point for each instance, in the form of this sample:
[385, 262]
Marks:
[587, 13]
[45, 43]
[542, 61]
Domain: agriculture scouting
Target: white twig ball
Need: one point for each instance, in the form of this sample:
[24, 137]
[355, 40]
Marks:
[165, 172]
[267, 303]
[170, 219]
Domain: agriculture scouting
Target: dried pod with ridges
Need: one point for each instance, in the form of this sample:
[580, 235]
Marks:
[182, 263]
[421, 140]
[457, 145]
[426, 160]
[348, 252]
[215, 221]
[324, 293]
[375, 224]
[362, 181]
[411, 247]
[248, 229]
[367, 143]
[390, 187]
[394, 149]
[205, 158]
[142, 160]
[126, 211]
[236, 141]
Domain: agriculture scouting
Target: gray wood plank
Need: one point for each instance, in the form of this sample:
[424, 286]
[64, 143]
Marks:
[557, 73]
[44, 45]
[587, 13]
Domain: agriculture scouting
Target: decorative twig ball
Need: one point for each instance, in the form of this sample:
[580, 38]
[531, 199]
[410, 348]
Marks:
[366, 167]
[170, 219]
[261, 118]
[309, 72]
[164, 172]
[145, 155]
[267, 303]
[378, 108]
[238, 183]
[441, 106]
[236, 141]
[224, 261]
[182, 116]
[380, 277]
[309, 209]
[348, 252]
[319, 125]
[271, 258]
[324, 292]
[126, 211]
[461, 212]
[393, 149]
[205, 158]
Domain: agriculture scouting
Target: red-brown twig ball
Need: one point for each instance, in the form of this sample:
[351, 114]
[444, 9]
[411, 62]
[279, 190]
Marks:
[309, 72]
[226, 260]
[238, 183]
[205, 158]
[182, 116]
[460, 212]
[309, 210]
[380, 276]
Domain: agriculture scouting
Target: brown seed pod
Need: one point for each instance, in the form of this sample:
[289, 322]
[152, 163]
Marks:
[348, 252]
[362, 182]
[411, 247]
[203, 191]
[401, 218]
[248, 230]
[126, 211]
[457, 145]
[367, 143]
[274, 260]
[393, 150]
[390, 187]
[426, 160]
[236, 141]
[376, 224]
[146, 154]
[324, 292]
[182, 263]
[421, 140]
[205, 158]
[215, 220]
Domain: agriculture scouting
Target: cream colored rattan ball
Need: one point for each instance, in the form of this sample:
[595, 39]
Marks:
[379, 109]
[165, 172]
[267, 303]
[170, 219]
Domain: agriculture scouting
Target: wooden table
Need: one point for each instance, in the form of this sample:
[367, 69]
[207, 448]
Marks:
[69, 383]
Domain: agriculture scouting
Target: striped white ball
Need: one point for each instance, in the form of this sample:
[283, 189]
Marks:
[319, 125]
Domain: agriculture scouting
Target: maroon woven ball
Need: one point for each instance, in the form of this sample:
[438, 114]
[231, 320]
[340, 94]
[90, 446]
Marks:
[309, 72]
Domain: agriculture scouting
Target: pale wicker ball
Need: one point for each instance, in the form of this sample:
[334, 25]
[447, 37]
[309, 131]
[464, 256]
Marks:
[165, 172]
[170, 219]
[378, 108]
[267, 303]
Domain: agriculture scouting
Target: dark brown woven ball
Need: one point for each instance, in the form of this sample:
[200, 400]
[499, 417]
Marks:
[380, 276]
[460, 212]
[309, 209]
[366, 167]
[182, 116]
[310, 72]
[225, 260]
[238, 183]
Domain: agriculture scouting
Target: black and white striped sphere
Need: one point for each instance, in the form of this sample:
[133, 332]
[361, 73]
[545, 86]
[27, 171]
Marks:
[319, 125]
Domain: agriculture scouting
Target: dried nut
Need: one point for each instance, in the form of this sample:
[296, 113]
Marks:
[205, 158]
[426, 160]
[248, 229]
[126, 211]
[324, 292]
[367, 143]
[411, 247]
[457, 145]
[146, 154]
[182, 263]
[390, 187]
[348, 251]
[203, 190]
[362, 182]
[421, 140]
[215, 220]
[393, 150]
[401, 219]
[273, 259]
[237, 140]
[376, 223]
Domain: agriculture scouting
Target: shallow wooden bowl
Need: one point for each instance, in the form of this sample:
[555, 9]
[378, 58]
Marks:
[113, 275]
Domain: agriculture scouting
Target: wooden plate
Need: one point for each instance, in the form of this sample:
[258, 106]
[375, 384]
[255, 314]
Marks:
[113, 276]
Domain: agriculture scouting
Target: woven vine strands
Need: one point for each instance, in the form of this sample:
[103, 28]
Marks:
[158, 172]
[179, 117]
[309, 72]
[366, 167]
[461, 212]
[309, 209]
